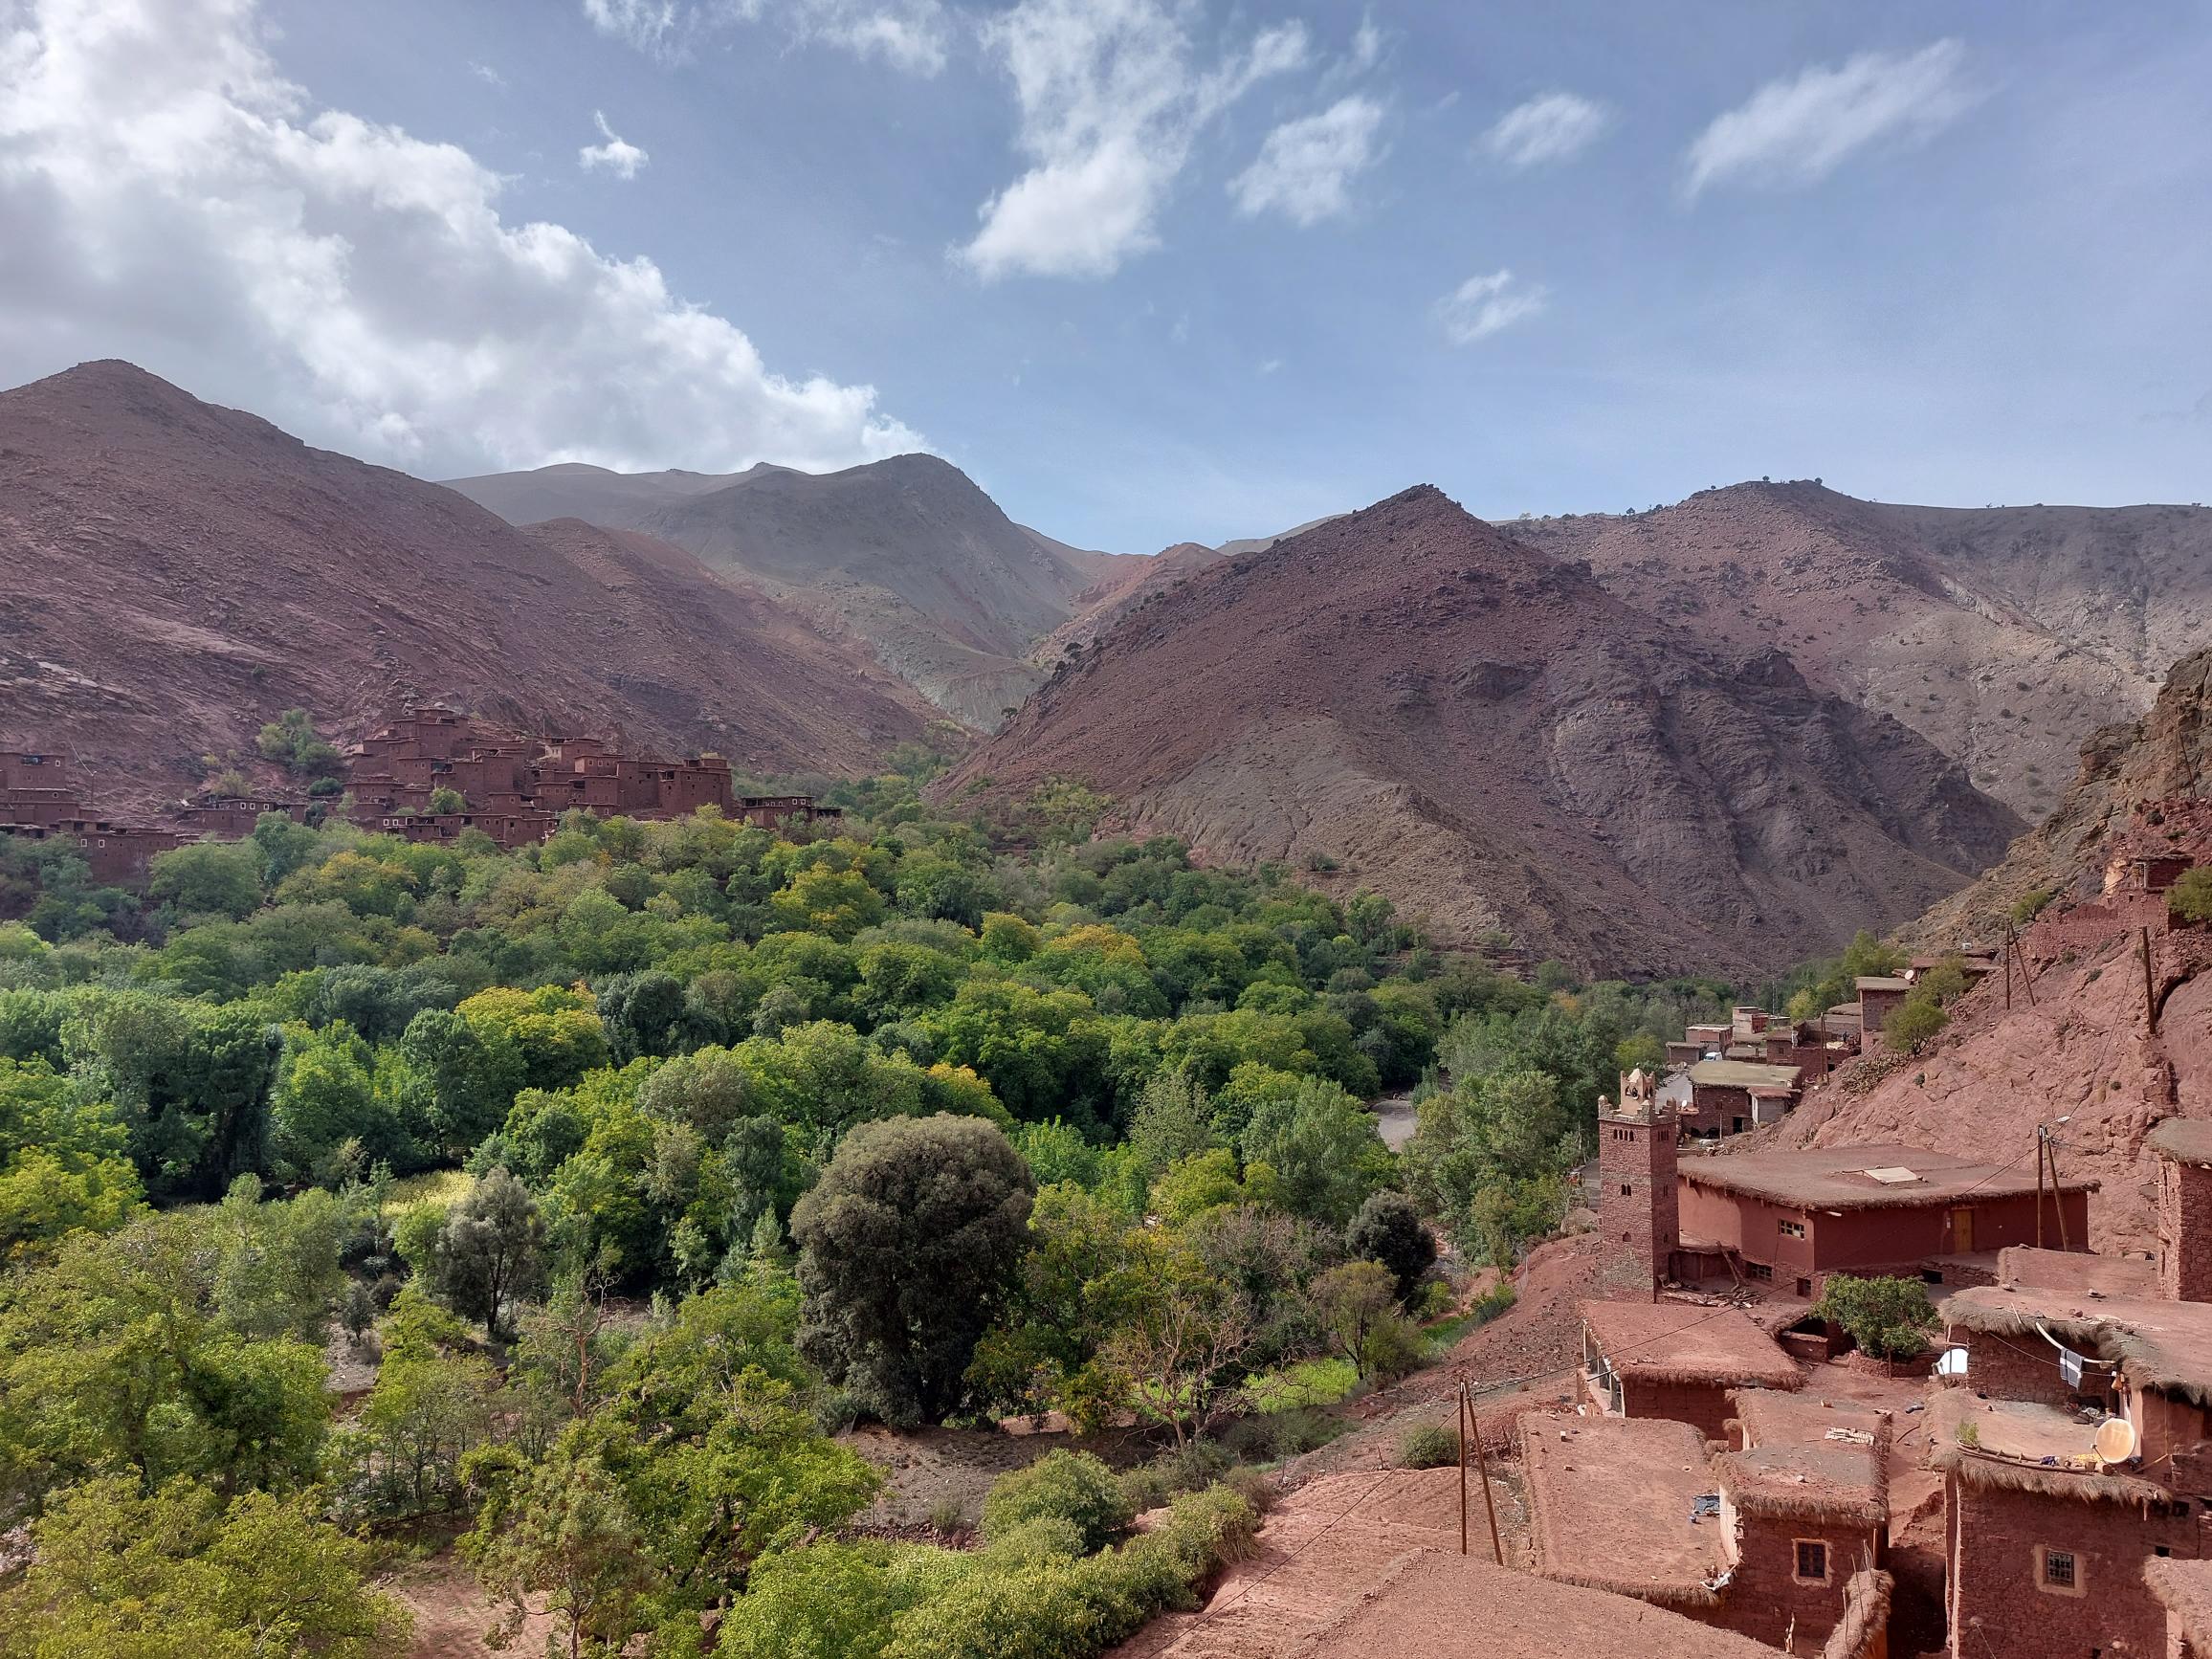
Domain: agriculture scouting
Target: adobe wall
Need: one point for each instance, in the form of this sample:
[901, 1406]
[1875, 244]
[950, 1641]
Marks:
[1996, 1536]
[1863, 1241]
[1703, 1405]
[2010, 1368]
[1765, 1600]
[1638, 1204]
[2185, 1232]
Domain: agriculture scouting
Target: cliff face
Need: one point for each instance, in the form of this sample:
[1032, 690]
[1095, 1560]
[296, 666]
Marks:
[2004, 635]
[2082, 1049]
[1406, 698]
[177, 573]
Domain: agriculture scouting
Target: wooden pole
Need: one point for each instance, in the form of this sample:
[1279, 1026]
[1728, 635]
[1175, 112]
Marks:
[2150, 989]
[1482, 1468]
[2006, 953]
[2057, 1198]
[1461, 1403]
[2037, 1172]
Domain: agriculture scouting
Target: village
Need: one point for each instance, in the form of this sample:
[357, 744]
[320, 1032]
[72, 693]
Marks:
[1722, 1470]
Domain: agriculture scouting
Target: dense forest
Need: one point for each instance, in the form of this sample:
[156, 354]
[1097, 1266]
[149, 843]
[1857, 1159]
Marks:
[629, 1170]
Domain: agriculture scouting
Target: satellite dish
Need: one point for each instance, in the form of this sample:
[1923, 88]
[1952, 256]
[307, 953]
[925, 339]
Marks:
[1952, 1363]
[2115, 1440]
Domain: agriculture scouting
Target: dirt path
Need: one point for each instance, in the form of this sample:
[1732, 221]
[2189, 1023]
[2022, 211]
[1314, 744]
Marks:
[452, 1615]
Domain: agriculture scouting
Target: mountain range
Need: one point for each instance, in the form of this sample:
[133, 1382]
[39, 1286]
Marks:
[1720, 734]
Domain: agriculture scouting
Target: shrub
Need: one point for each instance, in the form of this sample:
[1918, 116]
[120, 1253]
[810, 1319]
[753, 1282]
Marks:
[1069, 1485]
[1427, 1445]
[2030, 905]
[1389, 1230]
[1914, 1024]
[1887, 1318]
[948, 1516]
[2190, 899]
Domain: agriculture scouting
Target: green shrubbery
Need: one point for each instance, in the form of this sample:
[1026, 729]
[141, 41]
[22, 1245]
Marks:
[1073, 1487]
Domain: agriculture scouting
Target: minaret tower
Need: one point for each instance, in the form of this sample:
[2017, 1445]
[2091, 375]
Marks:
[1638, 1214]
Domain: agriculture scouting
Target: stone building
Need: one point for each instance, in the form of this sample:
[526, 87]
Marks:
[1636, 1189]
[2184, 1150]
[1677, 1359]
[1729, 1096]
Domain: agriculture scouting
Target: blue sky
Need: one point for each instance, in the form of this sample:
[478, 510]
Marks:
[1148, 271]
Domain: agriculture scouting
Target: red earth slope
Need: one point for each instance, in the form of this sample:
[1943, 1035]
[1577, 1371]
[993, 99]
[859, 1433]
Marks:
[1412, 700]
[177, 573]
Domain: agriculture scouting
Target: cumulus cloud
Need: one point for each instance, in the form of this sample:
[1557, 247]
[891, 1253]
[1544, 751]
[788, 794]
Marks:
[1111, 98]
[910, 34]
[615, 156]
[1480, 307]
[1549, 128]
[170, 197]
[1305, 167]
[1796, 131]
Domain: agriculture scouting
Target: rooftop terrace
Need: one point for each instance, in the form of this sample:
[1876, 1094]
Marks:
[1613, 1506]
[1677, 1342]
[1843, 1178]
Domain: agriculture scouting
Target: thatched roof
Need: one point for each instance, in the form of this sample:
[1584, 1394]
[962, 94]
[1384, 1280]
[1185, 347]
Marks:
[2026, 1448]
[2159, 1344]
[1836, 1482]
[2184, 1139]
[1682, 1344]
[2185, 1588]
[1865, 1626]
[1838, 1178]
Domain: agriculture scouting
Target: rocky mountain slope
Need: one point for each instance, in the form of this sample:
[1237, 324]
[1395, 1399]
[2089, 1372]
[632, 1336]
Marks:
[178, 573]
[2080, 1050]
[2002, 635]
[1406, 698]
[906, 557]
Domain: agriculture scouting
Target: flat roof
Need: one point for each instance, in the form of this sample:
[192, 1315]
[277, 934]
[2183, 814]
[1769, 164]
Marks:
[2078, 1271]
[1837, 1178]
[2157, 1344]
[1612, 1507]
[1682, 1342]
[1835, 1481]
[1743, 1074]
[1772, 1417]
[1450, 1607]
[2185, 1588]
[2184, 1139]
[1882, 982]
[2025, 1447]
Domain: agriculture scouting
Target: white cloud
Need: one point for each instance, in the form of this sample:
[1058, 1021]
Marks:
[1111, 102]
[172, 198]
[617, 156]
[910, 34]
[1480, 307]
[1367, 43]
[489, 76]
[1796, 131]
[1549, 128]
[1304, 166]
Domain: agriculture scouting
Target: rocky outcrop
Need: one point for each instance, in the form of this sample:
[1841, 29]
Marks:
[1406, 698]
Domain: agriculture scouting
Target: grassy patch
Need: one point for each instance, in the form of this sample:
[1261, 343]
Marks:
[447, 1186]
[1310, 1383]
[1445, 1334]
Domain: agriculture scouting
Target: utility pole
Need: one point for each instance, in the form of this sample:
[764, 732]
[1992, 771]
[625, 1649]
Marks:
[1462, 1405]
[1482, 1469]
[2039, 1143]
[2150, 987]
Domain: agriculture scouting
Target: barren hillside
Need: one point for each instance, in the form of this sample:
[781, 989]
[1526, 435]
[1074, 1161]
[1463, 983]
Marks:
[179, 573]
[1406, 698]
[2004, 636]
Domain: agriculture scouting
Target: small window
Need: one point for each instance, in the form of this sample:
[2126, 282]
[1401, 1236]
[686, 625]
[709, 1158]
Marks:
[1626, 1191]
[1804, 1289]
[1812, 1562]
[1758, 1270]
[1792, 1228]
[2057, 1571]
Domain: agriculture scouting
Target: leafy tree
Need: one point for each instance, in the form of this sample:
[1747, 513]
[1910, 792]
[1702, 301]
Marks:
[209, 878]
[1358, 1307]
[1321, 1146]
[491, 1251]
[907, 1246]
[464, 1078]
[1389, 1230]
[120, 1572]
[643, 1013]
[445, 799]
[1890, 1319]
[1179, 1329]
[565, 1534]
[292, 741]
[2190, 899]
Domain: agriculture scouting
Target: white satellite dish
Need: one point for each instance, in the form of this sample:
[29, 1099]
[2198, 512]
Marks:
[2115, 1440]
[1951, 1362]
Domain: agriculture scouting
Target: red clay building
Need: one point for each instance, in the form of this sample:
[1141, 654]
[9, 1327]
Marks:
[1879, 996]
[1792, 1218]
[1677, 1359]
[1636, 1189]
[2184, 1150]
[1729, 1096]
[1779, 1544]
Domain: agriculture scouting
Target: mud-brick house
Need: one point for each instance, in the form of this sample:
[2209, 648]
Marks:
[1782, 1545]
[2047, 1546]
[1791, 1218]
[1677, 1359]
[1879, 997]
[1727, 1097]
[2184, 1151]
[2184, 1589]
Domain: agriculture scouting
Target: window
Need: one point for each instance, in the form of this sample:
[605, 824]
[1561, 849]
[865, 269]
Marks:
[1758, 1270]
[1791, 1228]
[1812, 1562]
[2057, 1571]
[1626, 1190]
[1804, 1289]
